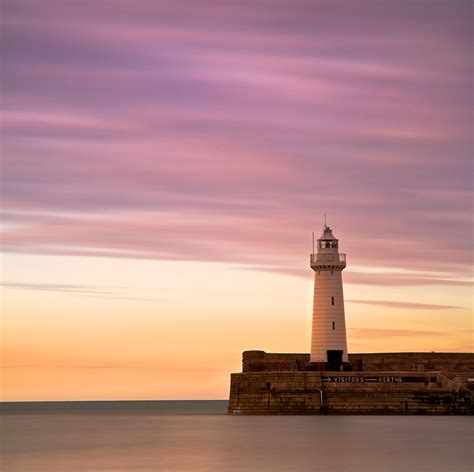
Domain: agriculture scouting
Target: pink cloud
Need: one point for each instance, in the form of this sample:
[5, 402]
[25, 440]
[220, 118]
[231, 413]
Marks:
[225, 133]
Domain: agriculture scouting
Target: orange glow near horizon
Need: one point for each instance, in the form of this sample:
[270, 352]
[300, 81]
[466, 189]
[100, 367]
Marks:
[179, 335]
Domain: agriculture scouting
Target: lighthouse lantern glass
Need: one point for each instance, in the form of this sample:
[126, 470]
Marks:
[330, 244]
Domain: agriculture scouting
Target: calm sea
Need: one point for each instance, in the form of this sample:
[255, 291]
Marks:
[199, 436]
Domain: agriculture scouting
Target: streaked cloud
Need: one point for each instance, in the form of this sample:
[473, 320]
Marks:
[106, 292]
[404, 305]
[377, 279]
[369, 333]
[404, 279]
[71, 288]
[226, 138]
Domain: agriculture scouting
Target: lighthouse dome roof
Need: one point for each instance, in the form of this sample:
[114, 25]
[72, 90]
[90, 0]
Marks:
[327, 233]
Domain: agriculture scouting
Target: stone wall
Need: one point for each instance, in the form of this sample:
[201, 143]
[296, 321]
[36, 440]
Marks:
[261, 361]
[382, 383]
[400, 402]
[406, 393]
[461, 363]
[273, 393]
[317, 393]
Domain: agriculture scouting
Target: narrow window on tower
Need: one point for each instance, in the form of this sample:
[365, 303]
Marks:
[332, 300]
[333, 325]
[332, 272]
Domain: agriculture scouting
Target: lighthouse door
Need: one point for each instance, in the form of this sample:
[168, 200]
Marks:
[334, 360]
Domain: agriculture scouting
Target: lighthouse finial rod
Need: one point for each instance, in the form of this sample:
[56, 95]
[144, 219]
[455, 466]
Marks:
[325, 220]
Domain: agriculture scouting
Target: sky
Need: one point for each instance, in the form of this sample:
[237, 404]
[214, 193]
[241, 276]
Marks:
[165, 163]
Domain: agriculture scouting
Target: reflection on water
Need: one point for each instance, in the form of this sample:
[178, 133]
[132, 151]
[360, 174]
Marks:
[197, 436]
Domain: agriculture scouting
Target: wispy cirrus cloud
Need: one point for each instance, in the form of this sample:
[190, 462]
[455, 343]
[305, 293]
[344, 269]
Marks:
[374, 333]
[396, 279]
[106, 292]
[71, 288]
[405, 278]
[404, 305]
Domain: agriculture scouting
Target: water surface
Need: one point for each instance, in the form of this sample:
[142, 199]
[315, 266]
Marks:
[199, 436]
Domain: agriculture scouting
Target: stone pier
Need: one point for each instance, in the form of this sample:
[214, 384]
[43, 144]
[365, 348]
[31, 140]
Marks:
[396, 383]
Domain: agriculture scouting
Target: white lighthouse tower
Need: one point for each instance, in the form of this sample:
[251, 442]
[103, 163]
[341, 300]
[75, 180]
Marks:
[328, 340]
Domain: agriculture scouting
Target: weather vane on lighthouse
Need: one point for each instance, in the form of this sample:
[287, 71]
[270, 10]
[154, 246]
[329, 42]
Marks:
[328, 339]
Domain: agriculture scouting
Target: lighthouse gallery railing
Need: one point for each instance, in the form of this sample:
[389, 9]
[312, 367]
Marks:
[328, 257]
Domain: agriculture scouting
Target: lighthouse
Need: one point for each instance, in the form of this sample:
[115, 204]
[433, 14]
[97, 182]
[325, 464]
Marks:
[328, 337]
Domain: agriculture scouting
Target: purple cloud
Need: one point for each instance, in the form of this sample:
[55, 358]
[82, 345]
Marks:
[223, 132]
